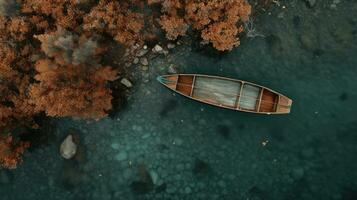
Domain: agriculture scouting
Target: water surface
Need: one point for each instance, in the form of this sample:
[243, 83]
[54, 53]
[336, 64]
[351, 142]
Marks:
[194, 151]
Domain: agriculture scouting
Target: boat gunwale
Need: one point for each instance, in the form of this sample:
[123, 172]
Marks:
[227, 107]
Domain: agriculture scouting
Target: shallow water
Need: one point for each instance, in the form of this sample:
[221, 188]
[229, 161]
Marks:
[196, 151]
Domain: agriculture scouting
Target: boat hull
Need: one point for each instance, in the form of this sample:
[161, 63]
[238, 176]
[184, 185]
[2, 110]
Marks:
[228, 93]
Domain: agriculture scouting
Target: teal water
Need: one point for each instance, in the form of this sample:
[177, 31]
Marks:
[195, 151]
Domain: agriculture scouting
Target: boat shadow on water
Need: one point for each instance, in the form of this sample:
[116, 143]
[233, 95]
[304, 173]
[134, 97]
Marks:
[168, 106]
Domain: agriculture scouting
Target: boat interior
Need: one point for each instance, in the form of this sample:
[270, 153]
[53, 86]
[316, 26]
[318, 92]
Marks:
[226, 93]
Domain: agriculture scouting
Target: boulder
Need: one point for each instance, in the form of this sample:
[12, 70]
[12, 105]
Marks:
[68, 148]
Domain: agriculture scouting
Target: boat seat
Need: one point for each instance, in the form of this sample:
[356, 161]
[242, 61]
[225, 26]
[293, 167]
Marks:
[250, 97]
[216, 91]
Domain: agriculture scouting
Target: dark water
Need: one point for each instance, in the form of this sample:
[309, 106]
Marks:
[164, 146]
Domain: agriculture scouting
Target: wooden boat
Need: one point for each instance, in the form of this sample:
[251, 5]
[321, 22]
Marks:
[228, 93]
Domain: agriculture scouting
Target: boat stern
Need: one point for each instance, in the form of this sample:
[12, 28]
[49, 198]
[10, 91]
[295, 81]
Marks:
[284, 105]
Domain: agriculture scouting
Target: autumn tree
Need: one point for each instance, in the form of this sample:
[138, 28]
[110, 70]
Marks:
[11, 151]
[219, 21]
[116, 19]
[71, 83]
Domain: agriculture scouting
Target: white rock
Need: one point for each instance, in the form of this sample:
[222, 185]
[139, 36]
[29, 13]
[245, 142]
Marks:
[145, 47]
[126, 82]
[136, 60]
[68, 148]
[157, 48]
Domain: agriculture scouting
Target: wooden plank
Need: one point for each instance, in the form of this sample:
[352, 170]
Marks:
[268, 103]
[221, 92]
[193, 85]
[184, 84]
[240, 95]
[260, 99]
[276, 106]
[249, 97]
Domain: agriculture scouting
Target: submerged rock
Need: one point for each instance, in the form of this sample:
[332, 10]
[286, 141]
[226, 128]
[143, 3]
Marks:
[126, 82]
[121, 156]
[71, 176]
[145, 184]
[154, 177]
[68, 148]
[200, 167]
[310, 3]
[172, 69]
[161, 188]
[297, 173]
[223, 130]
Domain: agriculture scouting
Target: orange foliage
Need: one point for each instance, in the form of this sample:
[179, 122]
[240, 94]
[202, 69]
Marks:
[218, 20]
[174, 26]
[65, 13]
[14, 101]
[70, 82]
[10, 153]
[222, 35]
[116, 19]
[72, 90]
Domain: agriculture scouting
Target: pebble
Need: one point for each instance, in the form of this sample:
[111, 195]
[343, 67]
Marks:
[127, 173]
[147, 135]
[68, 148]
[298, 173]
[170, 46]
[142, 52]
[144, 61]
[178, 141]
[121, 156]
[188, 190]
[222, 184]
[180, 167]
[144, 67]
[126, 82]
[136, 60]
[157, 48]
[115, 146]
